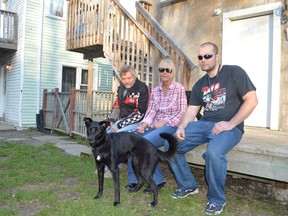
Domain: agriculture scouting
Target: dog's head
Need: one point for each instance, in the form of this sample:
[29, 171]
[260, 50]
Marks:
[96, 132]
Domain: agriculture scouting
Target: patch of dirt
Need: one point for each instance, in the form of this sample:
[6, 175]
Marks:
[29, 209]
[68, 195]
[244, 187]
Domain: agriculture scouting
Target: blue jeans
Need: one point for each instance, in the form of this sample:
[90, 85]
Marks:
[198, 133]
[128, 128]
[154, 137]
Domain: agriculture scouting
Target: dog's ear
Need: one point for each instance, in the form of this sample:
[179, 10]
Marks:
[105, 124]
[87, 121]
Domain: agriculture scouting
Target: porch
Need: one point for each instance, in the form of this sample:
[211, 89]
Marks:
[262, 153]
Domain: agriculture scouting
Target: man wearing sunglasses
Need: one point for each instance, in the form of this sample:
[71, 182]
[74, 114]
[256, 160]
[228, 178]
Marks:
[228, 97]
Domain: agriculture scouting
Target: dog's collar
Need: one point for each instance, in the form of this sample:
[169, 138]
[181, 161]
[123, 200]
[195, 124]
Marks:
[106, 137]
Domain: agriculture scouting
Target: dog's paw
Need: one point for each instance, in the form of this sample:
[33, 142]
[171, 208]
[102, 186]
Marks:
[116, 203]
[97, 196]
[152, 204]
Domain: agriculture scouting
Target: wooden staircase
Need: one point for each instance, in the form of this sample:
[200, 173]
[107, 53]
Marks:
[104, 28]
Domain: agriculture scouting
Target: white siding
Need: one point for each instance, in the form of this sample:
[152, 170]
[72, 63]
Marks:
[40, 56]
[13, 78]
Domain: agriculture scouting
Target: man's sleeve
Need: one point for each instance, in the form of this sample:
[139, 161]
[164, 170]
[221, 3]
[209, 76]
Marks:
[138, 114]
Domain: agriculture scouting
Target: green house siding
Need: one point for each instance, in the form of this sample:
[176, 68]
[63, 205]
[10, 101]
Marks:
[105, 75]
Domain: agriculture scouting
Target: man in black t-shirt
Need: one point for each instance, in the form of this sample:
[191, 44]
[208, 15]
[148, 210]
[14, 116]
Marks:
[228, 97]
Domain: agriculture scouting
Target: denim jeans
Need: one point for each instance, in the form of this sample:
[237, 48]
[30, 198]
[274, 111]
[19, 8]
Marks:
[154, 137]
[218, 146]
[128, 128]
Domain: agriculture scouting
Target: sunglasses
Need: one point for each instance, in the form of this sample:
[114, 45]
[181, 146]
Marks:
[207, 56]
[168, 70]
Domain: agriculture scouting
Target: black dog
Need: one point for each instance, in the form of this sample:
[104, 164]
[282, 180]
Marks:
[111, 149]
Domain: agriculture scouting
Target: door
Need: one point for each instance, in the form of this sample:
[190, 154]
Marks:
[250, 40]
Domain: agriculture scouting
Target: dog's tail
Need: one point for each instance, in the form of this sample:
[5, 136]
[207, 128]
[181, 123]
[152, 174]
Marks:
[173, 148]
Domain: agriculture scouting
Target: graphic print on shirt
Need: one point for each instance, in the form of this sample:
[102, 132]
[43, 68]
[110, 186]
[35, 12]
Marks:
[214, 97]
[133, 98]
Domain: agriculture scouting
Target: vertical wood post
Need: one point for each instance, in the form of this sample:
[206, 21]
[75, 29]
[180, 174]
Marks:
[72, 111]
[187, 78]
[56, 90]
[44, 106]
[89, 90]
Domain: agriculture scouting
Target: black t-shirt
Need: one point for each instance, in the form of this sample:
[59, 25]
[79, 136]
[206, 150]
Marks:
[221, 96]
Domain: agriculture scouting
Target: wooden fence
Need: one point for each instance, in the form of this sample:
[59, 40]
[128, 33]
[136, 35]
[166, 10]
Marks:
[64, 111]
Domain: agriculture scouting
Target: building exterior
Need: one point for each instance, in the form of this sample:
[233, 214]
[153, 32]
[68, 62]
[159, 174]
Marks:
[40, 60]
[251, 34]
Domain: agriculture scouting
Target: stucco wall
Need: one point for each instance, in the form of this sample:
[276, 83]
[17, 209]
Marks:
[191, 23]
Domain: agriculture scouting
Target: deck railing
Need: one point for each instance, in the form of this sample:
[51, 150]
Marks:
[8, 30]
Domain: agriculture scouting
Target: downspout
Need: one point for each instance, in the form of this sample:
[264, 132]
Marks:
[39, 114]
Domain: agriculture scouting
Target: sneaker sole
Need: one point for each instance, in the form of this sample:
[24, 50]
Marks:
[191, 193]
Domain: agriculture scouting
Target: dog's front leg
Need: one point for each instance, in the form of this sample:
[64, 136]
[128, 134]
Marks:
[115, 174]
[100, 169]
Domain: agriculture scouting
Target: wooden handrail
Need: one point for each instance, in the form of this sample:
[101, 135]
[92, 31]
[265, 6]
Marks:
[184, 65]
[163, 38]
[142, 29]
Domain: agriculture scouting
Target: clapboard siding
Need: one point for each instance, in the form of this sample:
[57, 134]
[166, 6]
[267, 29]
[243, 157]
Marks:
[13, 78]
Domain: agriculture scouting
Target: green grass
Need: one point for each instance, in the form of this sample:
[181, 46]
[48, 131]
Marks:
[44, 181]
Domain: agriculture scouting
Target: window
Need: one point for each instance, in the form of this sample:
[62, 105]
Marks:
[84, 80]
[68, 79]
[57, 8]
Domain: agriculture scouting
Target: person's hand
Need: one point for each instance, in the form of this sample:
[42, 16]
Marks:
[158, 124]
[141, 127]
[221, 126]
[115, 129]
[180, 134]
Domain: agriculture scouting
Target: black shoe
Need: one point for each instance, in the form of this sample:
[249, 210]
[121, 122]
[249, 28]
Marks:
[148, 190]
[130, 187]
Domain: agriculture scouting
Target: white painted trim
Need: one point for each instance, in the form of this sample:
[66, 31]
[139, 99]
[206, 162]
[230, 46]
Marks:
[79, 68]
[276, 56]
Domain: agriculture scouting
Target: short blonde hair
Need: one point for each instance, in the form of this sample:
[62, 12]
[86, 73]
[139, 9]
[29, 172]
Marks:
[127, 68]
[214, 46]
[169, 62]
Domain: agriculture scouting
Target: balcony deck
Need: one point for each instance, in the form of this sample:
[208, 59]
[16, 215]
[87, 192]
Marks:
[8, 31]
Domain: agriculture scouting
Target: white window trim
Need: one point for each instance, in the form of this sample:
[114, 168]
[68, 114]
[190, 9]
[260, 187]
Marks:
[47, 11]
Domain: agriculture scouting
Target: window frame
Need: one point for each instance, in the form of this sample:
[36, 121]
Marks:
[48, 10]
